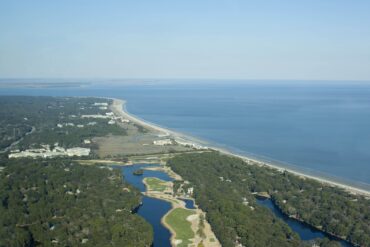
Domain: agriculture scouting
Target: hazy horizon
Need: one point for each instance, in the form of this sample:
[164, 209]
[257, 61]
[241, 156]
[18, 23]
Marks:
[82, 80]
[285, 40]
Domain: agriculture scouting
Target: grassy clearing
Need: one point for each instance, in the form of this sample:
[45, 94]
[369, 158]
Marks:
[156, 184]
[176, 219]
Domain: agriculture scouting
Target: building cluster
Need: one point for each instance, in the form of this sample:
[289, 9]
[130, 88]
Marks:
[61, 125]
[112, 119]
[190, 144]
[46, 152]
[163, 142]
[190, 191]
[109, 115]
[101, 104]
[96, 116]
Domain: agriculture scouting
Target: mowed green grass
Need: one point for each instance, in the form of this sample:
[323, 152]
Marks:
[156, 184]
[177, 220]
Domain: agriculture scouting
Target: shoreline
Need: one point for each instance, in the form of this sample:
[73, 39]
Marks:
[119, 107]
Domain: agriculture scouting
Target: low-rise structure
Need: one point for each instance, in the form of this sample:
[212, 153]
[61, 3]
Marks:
[95, 116]
[190, 144]
[162, 142]
[87, 141]
[100, 104]
[190, 191]
[47, 153]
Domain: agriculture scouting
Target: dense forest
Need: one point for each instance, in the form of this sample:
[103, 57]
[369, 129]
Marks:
[58, 202]
[225, 188]
[19, 114]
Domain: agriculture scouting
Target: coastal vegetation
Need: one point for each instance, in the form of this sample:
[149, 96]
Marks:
[62, 203]
[225, 188]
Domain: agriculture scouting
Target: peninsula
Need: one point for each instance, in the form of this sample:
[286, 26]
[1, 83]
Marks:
[77, 137]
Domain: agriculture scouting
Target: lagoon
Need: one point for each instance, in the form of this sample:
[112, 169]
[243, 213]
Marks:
[305, 231]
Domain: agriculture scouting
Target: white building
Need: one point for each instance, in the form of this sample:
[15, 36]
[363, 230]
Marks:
[47, 153]
[101, 104]
[162, 142]
[190, 191]
[78, 151]
[95, 116]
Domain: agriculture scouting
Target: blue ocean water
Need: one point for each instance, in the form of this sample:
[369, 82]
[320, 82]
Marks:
[319, 128]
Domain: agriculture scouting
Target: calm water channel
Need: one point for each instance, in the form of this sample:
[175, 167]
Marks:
[305, 231]
[189, 204]
[152, 210]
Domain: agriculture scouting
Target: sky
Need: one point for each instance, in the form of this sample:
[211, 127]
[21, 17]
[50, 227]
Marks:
[213, 39]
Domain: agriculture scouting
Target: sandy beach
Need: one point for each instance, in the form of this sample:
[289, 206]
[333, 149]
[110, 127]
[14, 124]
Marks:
[119, 108]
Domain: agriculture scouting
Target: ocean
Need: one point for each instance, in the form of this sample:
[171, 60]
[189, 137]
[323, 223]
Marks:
[319, 128]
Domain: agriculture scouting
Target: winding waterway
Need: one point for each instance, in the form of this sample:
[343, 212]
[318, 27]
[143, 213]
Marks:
[152, 209]
[304, 231]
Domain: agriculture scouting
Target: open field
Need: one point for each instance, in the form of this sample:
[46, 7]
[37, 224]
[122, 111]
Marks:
[177, 220]
[155, 184]
[133, 144]
[103, 162]
[139, 139]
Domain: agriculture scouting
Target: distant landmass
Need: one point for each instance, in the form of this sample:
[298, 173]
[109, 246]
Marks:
[17, 84]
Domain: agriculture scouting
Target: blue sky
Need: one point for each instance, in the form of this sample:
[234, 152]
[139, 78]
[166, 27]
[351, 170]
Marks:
[306, 39]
